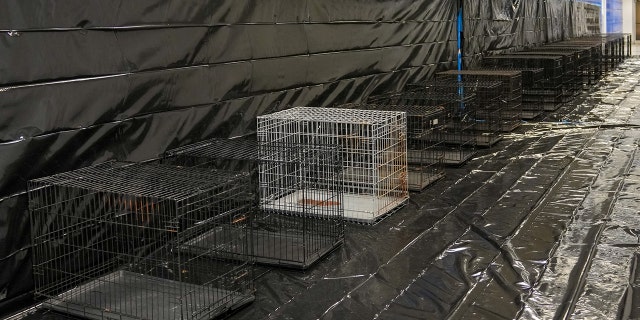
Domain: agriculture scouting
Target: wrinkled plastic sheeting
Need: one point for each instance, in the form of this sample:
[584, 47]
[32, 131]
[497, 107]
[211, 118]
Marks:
[82, 82]
[499, 26]
[541, 226]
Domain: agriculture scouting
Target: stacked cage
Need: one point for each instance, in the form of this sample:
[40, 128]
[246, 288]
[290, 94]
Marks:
[291, 231]
[551, 85]
[582, 61]
[425, 152]
[486, 123]
[599, 59]
[457, 132]
[112, 241]
[613, 48]
[503, 106]
[374, 153]
[589, 57]
[532, 105]
[571, 83]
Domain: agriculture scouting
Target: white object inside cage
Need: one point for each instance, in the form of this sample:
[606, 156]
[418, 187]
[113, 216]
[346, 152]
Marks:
[373, 148]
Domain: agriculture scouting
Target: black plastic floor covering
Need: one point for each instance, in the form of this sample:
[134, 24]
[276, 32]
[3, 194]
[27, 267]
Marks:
[545, 224]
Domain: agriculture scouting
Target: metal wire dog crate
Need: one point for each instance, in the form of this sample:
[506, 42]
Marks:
[374, 148]
[292, 234]
[506, 101]
[571, 82]
[532, 105]
[589, 59]
[108, 240]
[425, 152]
[487, 105]
[458, 133]
[552, 84]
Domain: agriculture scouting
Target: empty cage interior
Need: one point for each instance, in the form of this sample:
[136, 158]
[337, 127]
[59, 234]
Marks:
[298, 193]
[456, 133]
[107, 238]
[373, 149]
[425, 152]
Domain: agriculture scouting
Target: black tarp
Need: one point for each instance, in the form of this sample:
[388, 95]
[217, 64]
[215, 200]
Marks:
[83, 81]
[544, 225]
[499, 26]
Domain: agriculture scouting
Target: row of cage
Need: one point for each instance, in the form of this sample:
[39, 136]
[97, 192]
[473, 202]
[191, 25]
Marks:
[178, 238]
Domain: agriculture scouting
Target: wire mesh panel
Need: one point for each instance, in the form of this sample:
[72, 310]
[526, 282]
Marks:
[589, 57]
[108, 240]
[505, 107]
[488, 105]
[570, 81]
[457, 132]
[552, 84]
[425, 152]
[532, 105]
[581, 57]
[295, 233]
[374, 152]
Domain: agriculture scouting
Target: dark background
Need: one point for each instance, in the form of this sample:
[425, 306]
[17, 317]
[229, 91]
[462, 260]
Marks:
[84, 81]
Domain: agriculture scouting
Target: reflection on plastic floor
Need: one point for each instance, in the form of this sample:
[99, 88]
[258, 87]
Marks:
[545, 224]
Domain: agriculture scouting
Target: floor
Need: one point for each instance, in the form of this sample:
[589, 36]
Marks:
[545, 224]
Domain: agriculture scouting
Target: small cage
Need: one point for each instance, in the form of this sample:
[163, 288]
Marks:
[374, 152]
[293, 234]
[570, 81]
[589, 59]
[505, 102]
[109, 241]
[425, 150]
[488, 105]
[457, 132]
[551, 86]
[532, 105]
[581, 57]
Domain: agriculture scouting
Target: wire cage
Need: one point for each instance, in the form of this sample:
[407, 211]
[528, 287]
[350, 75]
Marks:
[532, 105]
[505, 101]
[551, 86]
[293, 234]
[457, 132]
[589, 57]
[374, 153]
[582, 61]
[571, 83]
[487, 105]
[612, 48]
[108, 242]
[425, 152]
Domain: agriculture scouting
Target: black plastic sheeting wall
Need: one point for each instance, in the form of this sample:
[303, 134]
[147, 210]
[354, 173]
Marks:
[497, 26]
[84, 81]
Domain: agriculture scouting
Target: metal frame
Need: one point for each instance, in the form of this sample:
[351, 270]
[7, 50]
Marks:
[374, 148]
[293, 234]
[114, 241]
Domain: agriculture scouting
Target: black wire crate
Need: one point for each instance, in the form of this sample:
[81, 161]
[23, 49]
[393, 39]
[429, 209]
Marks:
[571, 81]
[488, 105]
[551, 87]
[108, 242]
[457, 134]
[297, 188]
[425, 152]
[532, 105]
[590, 56]
[583, 61]
[503, 105]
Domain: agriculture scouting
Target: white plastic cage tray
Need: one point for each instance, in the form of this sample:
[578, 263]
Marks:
[357, 207]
